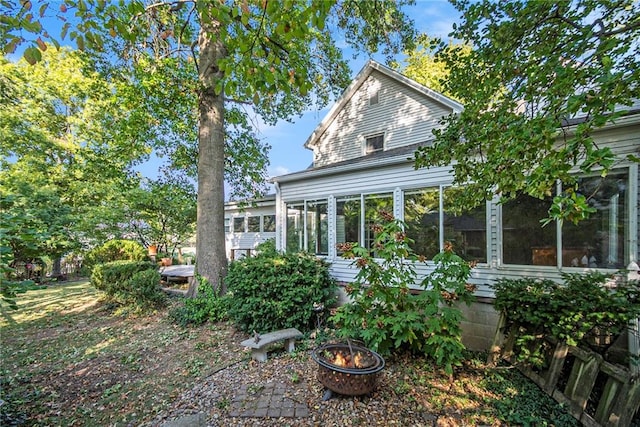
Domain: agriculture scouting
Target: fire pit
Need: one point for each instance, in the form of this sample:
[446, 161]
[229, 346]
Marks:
[347, 368]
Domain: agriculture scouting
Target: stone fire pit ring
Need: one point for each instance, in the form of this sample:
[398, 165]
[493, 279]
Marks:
[347, 380]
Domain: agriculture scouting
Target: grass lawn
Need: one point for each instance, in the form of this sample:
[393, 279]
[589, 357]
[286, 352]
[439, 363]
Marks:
[66, 359]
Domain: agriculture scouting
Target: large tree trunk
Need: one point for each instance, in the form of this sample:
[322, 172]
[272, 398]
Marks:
[210, 239]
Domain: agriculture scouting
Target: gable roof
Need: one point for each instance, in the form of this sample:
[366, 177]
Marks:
[357, 82]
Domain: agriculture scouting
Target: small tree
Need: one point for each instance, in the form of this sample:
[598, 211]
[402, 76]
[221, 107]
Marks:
[389, 313]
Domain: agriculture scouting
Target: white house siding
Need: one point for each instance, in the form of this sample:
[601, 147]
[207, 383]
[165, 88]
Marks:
[379, 178]
[403, 115]
[246, 240]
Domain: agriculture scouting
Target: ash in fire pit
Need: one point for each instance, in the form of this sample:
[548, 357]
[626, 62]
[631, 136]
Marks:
[346, 368]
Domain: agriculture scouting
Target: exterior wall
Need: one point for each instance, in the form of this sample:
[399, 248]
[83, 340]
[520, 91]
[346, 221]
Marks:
[403, 115]
[245, 240]
[479, 326]
[378, 177]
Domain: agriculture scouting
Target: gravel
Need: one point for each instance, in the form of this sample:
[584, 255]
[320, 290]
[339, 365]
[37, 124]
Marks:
[212, 402]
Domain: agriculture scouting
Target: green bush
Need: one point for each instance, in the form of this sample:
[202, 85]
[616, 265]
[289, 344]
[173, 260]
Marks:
[388, 315]
[115, 250]
[129, 282]
[273, 291]
[573, 312]
[206, 306]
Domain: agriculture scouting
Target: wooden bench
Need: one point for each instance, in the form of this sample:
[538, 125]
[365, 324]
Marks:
[259, 343]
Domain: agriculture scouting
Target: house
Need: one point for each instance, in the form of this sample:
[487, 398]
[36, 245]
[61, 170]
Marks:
[246, 225]
[361, 164]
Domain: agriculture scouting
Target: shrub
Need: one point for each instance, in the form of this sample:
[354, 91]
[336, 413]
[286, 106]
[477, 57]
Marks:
[272, 291]
[388, 315]
[573, 312]
[208, 305]
[129, 282]
[115, 250]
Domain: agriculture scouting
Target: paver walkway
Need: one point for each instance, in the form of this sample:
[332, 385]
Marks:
[252, 401]
[268, 400]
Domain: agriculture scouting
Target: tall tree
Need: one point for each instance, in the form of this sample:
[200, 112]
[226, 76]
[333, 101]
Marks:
[162, 212]
[272, 55]
[425, 66]
[60, 171]
[535, 67]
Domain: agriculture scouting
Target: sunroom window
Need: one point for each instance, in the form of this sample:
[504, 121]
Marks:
[348, 219]
[465, 229]
[597, 242]
[374, 204]
[524, 240]
[238, 224]
[422, 219]
[317, 227]
[253, 224]
[295, 227]
[269, 223]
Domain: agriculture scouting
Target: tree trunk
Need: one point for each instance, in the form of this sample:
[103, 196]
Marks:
[210, 239]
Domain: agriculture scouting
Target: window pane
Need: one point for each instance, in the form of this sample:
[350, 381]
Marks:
[421, 216]
[599, 240]
[295, 227]
[374, 143]
[524, 240]
[348, 219]
[269, 223]
[317, 228]
[466, 230]
[253, 224]
[238, 224]
[373, 205]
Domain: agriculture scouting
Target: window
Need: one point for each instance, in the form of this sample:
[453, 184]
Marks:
[238, 224]
[374, 98]
[317, 228]
[253, 224]
[227, 222]
[422, 219]
[428, 227]
[348, 219]
[269, 223]
[374, 143]
[294, 230]
[374, 204]
[466, 230]
[524, 240]
[597, 242]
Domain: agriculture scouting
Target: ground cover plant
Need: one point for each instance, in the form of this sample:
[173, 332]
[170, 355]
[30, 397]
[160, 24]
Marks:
[67, 360]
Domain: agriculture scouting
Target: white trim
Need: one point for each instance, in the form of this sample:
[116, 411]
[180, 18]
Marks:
[633, 213]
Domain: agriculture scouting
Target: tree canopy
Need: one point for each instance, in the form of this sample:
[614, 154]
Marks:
[425, 66]
[536, 69]
[276, 57]
[62, 175]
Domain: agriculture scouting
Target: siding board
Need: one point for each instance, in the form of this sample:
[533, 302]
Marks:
[404, 115]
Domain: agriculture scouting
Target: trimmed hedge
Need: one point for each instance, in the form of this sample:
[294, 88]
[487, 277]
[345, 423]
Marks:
[129, 282]
[274, 291]
[115, 250]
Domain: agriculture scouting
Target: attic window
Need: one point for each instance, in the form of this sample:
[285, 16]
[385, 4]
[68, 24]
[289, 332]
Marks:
[373, 97]
[374, 143]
